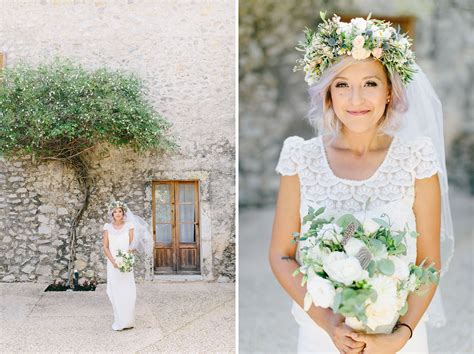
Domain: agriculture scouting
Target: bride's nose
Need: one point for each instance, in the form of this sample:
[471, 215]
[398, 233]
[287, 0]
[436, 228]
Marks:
[356, 96]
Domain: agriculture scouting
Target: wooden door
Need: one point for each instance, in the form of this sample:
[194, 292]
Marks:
[176, 227]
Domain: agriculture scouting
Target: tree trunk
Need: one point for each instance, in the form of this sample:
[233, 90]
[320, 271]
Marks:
[81, 168]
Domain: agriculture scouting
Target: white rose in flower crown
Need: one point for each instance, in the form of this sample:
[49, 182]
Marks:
[387, 33]
[360, 53]
[358, 41]
[353, 246]
[331, 232]
[402, 272]
[321, 290]
[403, 42]
[344, 269]
[345, 28]
[370, 226]
[359, 24]
[374, 28]
[383, 311]
[377, 52]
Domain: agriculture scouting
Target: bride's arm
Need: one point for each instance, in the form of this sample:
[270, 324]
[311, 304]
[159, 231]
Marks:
[130, 240]
[282, 261]
[105, 246]
[427, 210]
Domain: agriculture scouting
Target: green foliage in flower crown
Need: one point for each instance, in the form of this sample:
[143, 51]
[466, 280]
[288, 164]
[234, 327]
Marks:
[361, 38]
[61, 110]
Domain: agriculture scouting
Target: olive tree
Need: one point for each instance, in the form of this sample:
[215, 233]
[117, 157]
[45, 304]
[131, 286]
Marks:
[61, 111]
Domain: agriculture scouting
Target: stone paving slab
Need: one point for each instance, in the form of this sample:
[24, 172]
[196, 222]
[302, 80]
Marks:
[170, 317]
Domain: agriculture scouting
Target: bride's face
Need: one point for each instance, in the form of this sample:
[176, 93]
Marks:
[117, 214]
[359, 95]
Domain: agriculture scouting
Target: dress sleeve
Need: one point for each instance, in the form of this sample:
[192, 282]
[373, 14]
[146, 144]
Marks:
[427, 160]
[105, 228]
[288, 161]
[130, 226]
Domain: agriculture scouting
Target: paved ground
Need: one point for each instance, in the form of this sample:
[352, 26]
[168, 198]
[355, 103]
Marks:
[170, 317]
[265, 322]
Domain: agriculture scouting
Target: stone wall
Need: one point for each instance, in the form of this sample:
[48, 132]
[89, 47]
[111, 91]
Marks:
[274, 101]
[184, 51]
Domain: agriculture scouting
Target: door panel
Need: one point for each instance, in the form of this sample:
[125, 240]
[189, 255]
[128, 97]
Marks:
[176, 226]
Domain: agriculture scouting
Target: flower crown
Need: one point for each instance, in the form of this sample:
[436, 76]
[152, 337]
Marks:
[360, 38]
[117, 204]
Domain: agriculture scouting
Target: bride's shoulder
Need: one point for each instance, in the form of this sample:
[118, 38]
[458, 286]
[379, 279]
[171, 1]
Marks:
[105, 227]
[294, 141]
[420, 152]
[419, 143]
[293, 154]
[129, 225]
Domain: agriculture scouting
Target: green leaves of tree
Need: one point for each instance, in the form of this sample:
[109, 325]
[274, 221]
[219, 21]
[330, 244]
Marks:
[60, 110]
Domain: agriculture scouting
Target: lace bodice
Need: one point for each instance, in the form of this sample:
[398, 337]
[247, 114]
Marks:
[390, 190]
[393, 180]
[118, 238]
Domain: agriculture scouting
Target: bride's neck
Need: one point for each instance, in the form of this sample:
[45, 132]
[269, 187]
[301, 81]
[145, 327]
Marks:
[360, 143]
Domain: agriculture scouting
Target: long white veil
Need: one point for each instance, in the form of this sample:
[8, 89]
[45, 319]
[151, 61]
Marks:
[425, 118]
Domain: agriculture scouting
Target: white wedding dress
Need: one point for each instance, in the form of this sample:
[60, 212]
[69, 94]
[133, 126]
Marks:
[121, 288]
[389, 190]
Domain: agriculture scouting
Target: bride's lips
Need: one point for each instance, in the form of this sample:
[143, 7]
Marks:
[358, 113]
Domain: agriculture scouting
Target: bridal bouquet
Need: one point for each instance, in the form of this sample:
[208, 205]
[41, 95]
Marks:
[358, 271]
[125, 261]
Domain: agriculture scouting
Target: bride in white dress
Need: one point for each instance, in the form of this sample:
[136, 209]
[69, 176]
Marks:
[121, 290]
[356, 165]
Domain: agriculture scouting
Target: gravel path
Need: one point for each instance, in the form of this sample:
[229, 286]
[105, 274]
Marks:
[170, 317]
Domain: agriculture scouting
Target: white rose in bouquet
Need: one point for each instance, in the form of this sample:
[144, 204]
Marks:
[353, 246]
[354, 323]
[321, 290]
[344, 269]
[370, 226]
[401, 298]
[384, 311]
[331, 232]
[317, 254]
[402, 272]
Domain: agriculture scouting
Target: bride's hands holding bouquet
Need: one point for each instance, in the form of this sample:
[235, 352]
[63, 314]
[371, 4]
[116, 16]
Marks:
[382, 343]
[340, 335]
[114, 263]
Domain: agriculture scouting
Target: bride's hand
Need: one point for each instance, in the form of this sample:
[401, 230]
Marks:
[340, 335]
[383, 343]
[115, 264]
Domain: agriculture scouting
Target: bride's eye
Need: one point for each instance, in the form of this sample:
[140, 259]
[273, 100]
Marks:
[341, 84]
[371, 83]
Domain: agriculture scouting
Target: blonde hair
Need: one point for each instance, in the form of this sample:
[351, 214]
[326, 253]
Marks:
[321, 114]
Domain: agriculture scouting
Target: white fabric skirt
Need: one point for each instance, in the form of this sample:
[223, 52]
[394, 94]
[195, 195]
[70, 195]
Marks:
[121, 290]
